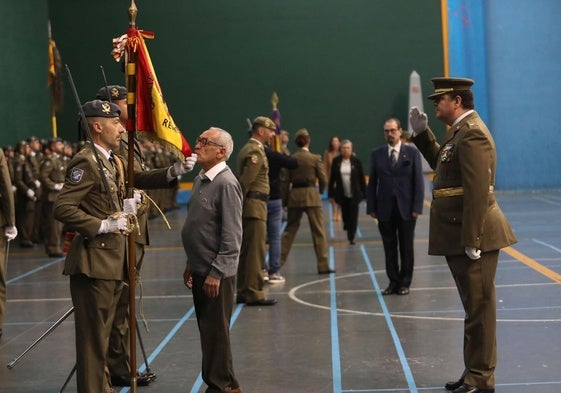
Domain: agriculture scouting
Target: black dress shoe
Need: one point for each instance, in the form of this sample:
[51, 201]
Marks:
[328, 271]
[403, 291]
[262, 302]
[452, 385]
[56, 254]
[390, 290]
[465, 388]
[141, 380]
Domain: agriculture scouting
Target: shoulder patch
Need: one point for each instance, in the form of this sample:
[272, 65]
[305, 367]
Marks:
[76, 175]
[254, 158]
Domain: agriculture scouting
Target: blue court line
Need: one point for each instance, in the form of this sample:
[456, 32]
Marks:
[199, 381]
[331, 227]
[401, 354]
[547, 245]
[335, 352]
[164, 342]
[42, 267]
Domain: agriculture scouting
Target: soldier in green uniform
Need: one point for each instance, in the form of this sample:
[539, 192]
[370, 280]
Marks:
[91, 203]
[51, 175]
[118, 356]
[253, 175]
[27, 189]
[8, 224]
[466, 224]
[305, 198]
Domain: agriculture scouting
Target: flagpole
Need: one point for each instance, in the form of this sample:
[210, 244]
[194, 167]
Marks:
[53, 105]
[130, 67]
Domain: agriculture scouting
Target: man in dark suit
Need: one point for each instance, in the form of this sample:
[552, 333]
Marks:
[466, 224]
[395, 197]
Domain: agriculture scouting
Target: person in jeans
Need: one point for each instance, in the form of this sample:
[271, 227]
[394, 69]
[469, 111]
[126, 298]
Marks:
[277, 161]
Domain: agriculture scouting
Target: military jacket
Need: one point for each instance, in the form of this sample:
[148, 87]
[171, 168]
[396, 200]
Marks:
[253, 170]
[7, 213]
[466, 158]
[303, 180]
[52, 172]
[84, 202]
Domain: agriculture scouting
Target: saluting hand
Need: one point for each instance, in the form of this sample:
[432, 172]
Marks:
[418, 120]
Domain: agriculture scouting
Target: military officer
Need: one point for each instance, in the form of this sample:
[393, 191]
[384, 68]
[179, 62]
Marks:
[8, 225]
[305, 198]
[91, 203]
[253, 175]
[27, 189]
[118, 356]
[466, 224]
[51, 175]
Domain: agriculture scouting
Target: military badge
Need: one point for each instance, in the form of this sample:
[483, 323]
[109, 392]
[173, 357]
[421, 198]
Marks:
[254, 158]
[76, 175]
[447, 151]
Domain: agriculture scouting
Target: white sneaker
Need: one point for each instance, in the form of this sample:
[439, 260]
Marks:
[265, 275]
[276, 278]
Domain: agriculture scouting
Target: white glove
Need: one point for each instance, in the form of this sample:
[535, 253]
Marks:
[37, 184]
[14, 188]
[10, 233]
[418, 120]
[186, 166]
[58, 186]
[137, 197]
[30, 193]
[129, 205]
[111, 224]
[473, 253]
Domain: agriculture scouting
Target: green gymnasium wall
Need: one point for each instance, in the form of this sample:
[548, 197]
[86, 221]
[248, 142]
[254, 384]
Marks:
[24, 94]
[340, 67]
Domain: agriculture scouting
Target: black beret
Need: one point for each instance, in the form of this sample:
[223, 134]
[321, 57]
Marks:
[99, 108]
[115, 91]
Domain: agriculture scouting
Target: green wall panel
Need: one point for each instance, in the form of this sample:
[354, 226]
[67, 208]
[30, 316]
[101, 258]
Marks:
[339, 67]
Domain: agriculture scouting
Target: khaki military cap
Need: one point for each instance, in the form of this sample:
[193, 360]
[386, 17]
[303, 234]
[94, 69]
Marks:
[263, 121]
[447, 85]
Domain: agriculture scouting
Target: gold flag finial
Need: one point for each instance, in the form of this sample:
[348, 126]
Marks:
[132, 13]
[275, 100]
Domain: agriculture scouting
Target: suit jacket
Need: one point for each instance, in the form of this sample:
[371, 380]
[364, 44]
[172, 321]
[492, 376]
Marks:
[358, 184]
[404, 182]
[83, 203]
[466, 158]
[310, 170]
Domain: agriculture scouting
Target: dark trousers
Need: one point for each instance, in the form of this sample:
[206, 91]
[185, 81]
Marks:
[213, 319]
[395, 233]
[349, 212]
[94, 307]
[475, 281]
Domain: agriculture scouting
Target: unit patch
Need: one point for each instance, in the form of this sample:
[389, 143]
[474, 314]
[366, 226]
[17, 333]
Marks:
[254, 158]
[76, 175]
[446, 154]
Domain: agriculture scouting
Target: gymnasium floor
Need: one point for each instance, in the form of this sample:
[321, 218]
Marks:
[327, 333]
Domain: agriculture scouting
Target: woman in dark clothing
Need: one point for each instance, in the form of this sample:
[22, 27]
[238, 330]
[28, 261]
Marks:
[347, 187]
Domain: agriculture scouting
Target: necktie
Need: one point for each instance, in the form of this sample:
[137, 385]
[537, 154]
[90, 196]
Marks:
[393, 157]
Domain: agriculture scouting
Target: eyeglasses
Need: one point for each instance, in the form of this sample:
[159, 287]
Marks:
[205, 142]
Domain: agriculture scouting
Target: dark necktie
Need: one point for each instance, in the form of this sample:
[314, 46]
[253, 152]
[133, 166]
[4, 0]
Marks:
[393, 157]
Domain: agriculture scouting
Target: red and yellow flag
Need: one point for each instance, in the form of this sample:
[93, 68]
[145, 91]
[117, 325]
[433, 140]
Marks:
[152, 114]
[275, 117]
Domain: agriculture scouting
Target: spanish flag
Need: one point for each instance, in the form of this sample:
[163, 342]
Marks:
[275, 117]
[152, 114]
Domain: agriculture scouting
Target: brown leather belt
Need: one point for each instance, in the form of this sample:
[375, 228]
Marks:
[453, 191]
[257, 195]
[303, 185]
